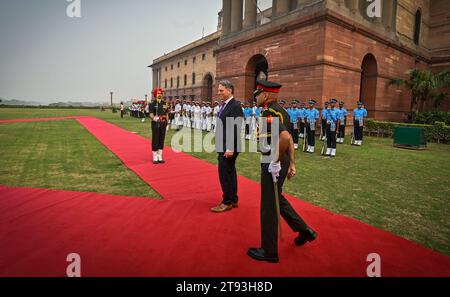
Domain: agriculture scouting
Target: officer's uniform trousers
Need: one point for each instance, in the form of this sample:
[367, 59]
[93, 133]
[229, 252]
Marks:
[248, 121]
[158, 135]
[294, 128]
[311, 135]
[331, 136]
[324, 127]
[269, 219]
[302, 128]
[342, 130]
[358, 130]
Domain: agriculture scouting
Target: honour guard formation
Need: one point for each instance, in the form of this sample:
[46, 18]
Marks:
[306, 122]
[329, 124]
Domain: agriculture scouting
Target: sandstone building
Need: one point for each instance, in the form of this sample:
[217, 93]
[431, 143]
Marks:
[318, 49]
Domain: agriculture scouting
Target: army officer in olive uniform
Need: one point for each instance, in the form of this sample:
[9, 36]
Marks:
[158, 109]
[276, 167]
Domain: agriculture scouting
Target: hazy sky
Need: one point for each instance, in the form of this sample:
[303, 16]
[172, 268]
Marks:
[47, 56]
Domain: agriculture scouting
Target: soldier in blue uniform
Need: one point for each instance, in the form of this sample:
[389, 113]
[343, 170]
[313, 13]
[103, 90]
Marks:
[301, 118]
[289, 109]
[273, 174]
[258, 113]
[324, 120]
[294, 113]
[332, 127]
[312, 118]
[248, 119]
[342, 122]
[358, 122]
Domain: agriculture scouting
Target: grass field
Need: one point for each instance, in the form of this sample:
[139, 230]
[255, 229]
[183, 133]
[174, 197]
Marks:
[63, 155]
[401, 191]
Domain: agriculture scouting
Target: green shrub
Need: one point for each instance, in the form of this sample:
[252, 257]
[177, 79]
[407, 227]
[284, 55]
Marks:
[438, 132]
[430, 117]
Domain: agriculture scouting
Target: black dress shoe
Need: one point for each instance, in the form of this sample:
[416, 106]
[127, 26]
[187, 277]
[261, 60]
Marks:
[258, 254]
[155, 162]
[161, 162]
[305, 236]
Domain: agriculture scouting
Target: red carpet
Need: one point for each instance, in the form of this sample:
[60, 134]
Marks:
[130, 236]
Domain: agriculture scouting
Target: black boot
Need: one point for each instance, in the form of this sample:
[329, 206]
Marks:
[259, 254]
[305, 236]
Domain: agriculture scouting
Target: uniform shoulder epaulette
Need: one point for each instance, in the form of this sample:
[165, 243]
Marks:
[275, 113]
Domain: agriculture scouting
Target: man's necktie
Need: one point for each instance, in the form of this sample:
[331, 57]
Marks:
[221, 109]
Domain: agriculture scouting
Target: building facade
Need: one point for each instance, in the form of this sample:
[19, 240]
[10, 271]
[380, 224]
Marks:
[188, 73]
[326, 49]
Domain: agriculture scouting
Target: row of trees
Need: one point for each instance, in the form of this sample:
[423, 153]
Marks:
[425, 86]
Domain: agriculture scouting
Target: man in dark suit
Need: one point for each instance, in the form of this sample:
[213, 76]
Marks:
[228, 145]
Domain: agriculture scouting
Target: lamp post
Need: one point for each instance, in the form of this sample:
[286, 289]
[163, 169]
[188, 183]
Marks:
[111, 93]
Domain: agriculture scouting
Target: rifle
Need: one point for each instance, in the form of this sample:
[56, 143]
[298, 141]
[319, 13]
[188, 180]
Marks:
[324, 146]
[352, 141]
[304, 139]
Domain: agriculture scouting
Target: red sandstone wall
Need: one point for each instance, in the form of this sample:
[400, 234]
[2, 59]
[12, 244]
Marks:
[322, 61]
[349, 49]
[293, 61]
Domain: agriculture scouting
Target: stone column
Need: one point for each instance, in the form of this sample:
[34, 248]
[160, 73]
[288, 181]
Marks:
[226, 24]
[274, 8]
[282, 6]
[159, 78]
[388, 14]
[353, 5]
[236, 15]
[250, 14]
[155, 78]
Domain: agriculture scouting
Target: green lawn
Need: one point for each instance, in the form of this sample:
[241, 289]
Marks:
[401, 191]
[63, 155]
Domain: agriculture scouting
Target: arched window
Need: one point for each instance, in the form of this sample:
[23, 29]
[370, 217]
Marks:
[369, 80]
[417, 26]
[185, 79]
[165, 83]
[178, 81]
[193, 78]
[171, 82]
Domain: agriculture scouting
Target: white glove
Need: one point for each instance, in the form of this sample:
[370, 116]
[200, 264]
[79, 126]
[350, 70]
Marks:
[156, 118]
[275, 168]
